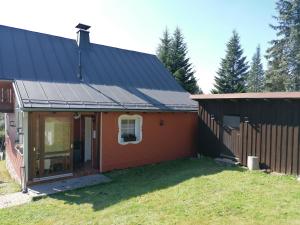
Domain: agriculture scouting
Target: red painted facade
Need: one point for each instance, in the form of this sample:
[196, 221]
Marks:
[172, 140]
[165, 136]
[14, 157]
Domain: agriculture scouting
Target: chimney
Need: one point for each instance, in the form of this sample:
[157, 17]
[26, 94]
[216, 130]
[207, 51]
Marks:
[83, 41]
[83, 35]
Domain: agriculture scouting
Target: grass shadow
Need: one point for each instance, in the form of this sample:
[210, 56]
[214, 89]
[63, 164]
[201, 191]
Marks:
[135, 182]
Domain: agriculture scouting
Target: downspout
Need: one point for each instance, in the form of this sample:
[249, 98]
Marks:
[24, 167]
[101, 169]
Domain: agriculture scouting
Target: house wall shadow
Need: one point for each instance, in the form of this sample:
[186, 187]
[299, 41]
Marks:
[135, 182]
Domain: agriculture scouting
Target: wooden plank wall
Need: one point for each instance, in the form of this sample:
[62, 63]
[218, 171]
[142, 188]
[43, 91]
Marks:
[6, 97]
[268, 129]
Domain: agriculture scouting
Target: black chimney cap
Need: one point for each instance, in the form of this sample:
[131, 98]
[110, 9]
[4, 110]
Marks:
[83, 26]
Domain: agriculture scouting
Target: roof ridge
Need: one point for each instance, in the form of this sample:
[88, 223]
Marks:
[37, 32]
[70, 39]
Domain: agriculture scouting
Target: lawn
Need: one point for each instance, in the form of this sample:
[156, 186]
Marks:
[180, 192]
[7, 185]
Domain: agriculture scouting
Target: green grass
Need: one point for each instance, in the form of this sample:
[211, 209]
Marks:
[179, 192]
[7, 185]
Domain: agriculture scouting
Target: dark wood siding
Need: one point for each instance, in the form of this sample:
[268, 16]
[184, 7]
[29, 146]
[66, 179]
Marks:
[268, 129]
[6, 97]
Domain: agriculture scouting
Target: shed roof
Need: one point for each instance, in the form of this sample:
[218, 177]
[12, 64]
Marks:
[44, 70]
[263, 95]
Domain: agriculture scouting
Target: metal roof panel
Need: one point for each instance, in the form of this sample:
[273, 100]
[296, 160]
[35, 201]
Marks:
[45, 69]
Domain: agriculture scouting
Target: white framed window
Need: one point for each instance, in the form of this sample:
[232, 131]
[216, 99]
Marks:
[130, 129]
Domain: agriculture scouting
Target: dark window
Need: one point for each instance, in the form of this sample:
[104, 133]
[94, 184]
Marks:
[128, 130]
[231, 122]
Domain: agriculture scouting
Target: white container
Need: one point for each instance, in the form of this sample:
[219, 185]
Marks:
[253, 163]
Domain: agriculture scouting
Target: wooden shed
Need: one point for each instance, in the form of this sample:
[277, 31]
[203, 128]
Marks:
[259, 124]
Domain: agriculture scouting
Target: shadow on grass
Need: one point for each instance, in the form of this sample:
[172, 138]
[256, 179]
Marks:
[134, 182]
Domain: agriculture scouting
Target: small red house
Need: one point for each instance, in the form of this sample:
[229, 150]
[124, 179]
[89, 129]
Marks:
[74, 107]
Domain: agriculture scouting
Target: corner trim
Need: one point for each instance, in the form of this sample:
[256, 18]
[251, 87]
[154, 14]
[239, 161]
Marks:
[101, 130]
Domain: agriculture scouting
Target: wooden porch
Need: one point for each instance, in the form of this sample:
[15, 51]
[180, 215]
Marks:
[63, 144]
[6, 97]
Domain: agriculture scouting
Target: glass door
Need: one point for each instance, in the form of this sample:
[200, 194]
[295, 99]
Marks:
[54, 154]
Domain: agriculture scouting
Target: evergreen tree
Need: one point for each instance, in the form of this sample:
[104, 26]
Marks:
[172, 52]
[283, 56]
[233, 71]
[164, 49]
[256, 79]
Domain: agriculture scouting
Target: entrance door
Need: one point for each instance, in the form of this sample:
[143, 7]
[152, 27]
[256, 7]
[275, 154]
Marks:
[53, 153]
[231, 136]
[87, 139]
[85, 143]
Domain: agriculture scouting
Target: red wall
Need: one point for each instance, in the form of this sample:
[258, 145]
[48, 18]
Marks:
[175, 139]
[16, 159]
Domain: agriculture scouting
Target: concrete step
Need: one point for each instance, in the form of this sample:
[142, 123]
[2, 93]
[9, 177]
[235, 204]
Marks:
[41, 190]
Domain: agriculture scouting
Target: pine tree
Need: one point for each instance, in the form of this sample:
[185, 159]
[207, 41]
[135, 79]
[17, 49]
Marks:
[180, 66]
[173, 54]
[233, 71]
[255, 78]
[164, 49]
[283, 56]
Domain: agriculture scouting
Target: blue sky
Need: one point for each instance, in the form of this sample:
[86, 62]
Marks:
[138, 24]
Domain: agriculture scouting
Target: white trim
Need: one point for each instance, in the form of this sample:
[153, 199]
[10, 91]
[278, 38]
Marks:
[17, 95]
[138, 128]
[101, 143]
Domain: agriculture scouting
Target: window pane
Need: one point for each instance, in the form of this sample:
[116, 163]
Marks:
[57, 134]
[127, 128]
[131, 122]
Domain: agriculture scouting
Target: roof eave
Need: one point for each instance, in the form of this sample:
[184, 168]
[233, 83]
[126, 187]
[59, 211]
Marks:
[103, 110]
[249, 96]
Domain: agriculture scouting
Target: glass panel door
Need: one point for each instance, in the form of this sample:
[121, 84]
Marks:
[55, 148]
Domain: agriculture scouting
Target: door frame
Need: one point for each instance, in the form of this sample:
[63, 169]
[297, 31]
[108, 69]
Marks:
[94, 137]
[235, 143]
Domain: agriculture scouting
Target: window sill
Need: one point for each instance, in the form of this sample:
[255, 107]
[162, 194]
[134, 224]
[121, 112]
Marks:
[129, 142]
